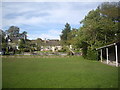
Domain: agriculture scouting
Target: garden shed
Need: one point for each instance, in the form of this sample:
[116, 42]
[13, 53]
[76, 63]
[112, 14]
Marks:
[111, 53]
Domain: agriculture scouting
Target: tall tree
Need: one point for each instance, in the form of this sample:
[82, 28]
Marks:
[100, 27]
[66, 30]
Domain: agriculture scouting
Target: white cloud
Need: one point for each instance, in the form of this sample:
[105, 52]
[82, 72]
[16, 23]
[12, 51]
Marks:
[42, 36]
[42, 14]
[51, 34]
[56, 32]
[37, 14]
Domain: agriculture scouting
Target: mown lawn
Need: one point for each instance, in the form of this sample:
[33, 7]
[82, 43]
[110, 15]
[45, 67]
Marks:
[59, 72]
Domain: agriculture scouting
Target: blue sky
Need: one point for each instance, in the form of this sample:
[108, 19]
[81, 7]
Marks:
[44, 19]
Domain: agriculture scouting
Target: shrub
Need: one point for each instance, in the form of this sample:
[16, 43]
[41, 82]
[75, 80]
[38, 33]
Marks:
[84, 52]
[92, 54]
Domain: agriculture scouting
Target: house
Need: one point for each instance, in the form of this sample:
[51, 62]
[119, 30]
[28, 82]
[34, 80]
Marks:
[111, 53]
[13, 41]
[53, 45]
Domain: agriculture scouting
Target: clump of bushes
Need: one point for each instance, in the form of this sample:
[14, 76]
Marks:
[92, 55]
[89, 52]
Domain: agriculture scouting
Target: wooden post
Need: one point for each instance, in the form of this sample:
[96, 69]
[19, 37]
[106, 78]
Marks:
[107, 54]
[116, 54]
[101, 55]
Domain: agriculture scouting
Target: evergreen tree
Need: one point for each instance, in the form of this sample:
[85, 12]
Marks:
[65, 32]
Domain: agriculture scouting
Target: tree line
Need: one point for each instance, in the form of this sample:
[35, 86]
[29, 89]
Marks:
[99, 27]
[12, 38]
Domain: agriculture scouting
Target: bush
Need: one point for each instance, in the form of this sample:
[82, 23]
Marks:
[92, 55]
[84, 52]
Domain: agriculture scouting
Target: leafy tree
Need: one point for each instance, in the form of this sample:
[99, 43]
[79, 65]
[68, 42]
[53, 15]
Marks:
[100, 27]
[13, 31]
[110, 11]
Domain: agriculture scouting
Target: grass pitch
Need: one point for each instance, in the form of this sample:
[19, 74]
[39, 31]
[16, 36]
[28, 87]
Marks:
[59, 72]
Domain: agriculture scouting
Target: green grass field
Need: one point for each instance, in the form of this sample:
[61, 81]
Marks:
[59, 72]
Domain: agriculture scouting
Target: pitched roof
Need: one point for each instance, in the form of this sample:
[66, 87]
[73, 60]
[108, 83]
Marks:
[52, 43]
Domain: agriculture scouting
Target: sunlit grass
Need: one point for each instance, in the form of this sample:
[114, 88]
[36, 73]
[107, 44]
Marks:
[58, 72]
